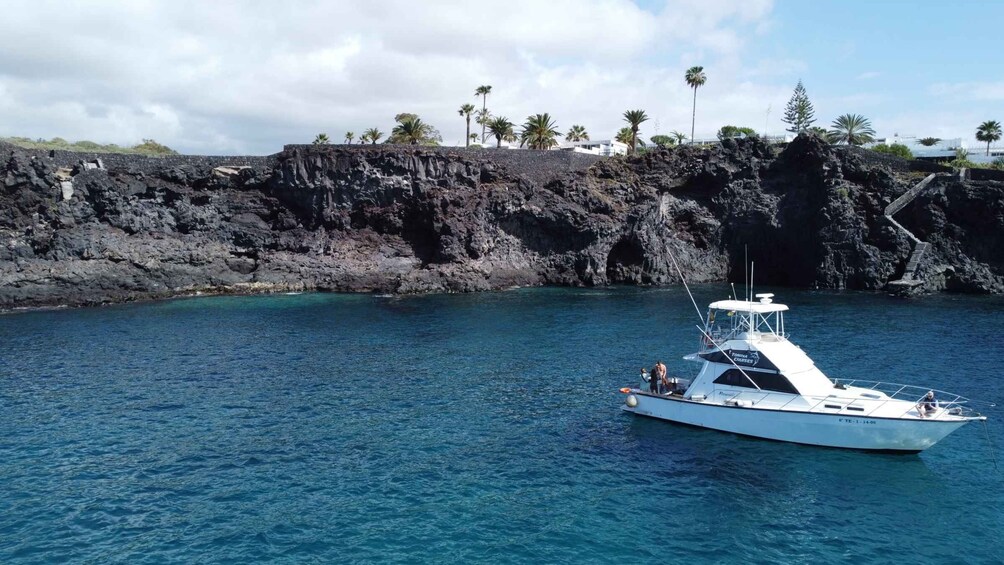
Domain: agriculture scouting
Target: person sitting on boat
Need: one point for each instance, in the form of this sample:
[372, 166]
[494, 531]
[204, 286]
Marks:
[928, 404]
[644, 376]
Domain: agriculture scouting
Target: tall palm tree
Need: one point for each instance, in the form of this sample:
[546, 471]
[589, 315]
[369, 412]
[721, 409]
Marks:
[852, 129]
[634, 118]
[501, 129]
[989, 131]
[577, 133]
[483, 91]
[412, 130]
[696, 78]
[372, 134]
[482, 117]
[466, 110]
[322, 139]
[349, 136]
[680, 137]
[539, 132]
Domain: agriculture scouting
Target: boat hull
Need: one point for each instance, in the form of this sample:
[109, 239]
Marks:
[809, 428]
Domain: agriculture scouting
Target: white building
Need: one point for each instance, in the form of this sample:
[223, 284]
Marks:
[944, 149]
[604, 147]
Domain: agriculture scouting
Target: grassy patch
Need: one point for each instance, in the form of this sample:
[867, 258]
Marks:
[148, 147]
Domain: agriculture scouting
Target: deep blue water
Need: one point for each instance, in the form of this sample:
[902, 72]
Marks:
[475, 428]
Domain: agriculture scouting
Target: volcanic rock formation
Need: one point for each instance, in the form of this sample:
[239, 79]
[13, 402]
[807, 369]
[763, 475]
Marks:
[404, 219]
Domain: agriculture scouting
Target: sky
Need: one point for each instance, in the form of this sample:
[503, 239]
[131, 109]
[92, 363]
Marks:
[248, 77]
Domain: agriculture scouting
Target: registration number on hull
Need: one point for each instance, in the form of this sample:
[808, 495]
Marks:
[855, 421]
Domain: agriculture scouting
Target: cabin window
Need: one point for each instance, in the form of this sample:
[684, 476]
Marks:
[766, 381]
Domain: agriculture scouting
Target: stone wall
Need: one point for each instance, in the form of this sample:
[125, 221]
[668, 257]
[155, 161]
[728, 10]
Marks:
[538, 166]
[141, 163]
[985, 174]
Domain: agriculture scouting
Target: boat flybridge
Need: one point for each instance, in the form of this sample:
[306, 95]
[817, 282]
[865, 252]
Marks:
[755, 382]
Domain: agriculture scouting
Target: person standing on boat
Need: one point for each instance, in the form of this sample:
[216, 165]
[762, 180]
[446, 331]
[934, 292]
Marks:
[652, 378]
[663, 380]
[658, 378]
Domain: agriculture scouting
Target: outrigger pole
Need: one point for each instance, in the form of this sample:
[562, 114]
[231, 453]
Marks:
[684, 280]
[698, 310]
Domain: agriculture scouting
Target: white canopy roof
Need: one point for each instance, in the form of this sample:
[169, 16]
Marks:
[746, 306]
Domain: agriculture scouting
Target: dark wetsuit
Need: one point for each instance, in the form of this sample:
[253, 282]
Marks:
[653, 380]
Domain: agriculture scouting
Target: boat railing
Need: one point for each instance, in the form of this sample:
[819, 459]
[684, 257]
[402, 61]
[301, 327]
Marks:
[908, 397]
[721, 335]
[949, 402]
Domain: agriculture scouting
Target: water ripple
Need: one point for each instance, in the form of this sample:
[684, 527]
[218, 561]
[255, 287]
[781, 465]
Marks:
[483, 428]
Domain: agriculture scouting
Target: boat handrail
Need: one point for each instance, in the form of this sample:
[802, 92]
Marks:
[948, 404]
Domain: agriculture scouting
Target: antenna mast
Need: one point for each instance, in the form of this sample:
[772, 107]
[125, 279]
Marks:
[746, 269]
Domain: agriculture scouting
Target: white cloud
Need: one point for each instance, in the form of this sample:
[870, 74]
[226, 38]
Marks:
[980, 91]
[231, 77]
[868, 75]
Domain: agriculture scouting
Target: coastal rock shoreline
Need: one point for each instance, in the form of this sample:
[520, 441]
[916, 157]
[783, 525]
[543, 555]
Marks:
[402, 219]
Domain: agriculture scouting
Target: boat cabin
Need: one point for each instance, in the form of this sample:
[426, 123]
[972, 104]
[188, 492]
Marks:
[744, 347]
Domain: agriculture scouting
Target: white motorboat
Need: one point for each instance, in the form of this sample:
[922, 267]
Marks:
[753, 381]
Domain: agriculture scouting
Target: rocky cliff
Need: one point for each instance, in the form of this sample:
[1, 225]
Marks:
[403, 219]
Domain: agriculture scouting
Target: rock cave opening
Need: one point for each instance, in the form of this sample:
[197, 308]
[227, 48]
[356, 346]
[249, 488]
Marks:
[626, 262]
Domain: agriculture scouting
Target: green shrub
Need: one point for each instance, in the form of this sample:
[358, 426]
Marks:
[728, 132]
[663, 140]
[896, 149]
[148, 147]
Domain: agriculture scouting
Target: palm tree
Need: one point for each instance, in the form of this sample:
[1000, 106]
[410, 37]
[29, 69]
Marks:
[852, 129]
[501, 129]
[634, 118]
[696, 78]
[624, 136]
[372, 134]
[411, 130]
[482, 117]
[989, 131]
[627, 137]
[466, 110]
[680, 137]
[483, 91]
[322, 139]
[349, 136]
[539, 132]
[577, 133]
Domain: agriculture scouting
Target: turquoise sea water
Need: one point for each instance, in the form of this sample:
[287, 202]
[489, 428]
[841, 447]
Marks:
[474, 428]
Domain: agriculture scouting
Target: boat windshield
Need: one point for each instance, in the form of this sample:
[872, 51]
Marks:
[743, 320]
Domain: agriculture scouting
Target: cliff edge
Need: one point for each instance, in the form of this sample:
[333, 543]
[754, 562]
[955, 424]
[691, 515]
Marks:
[402, 219]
